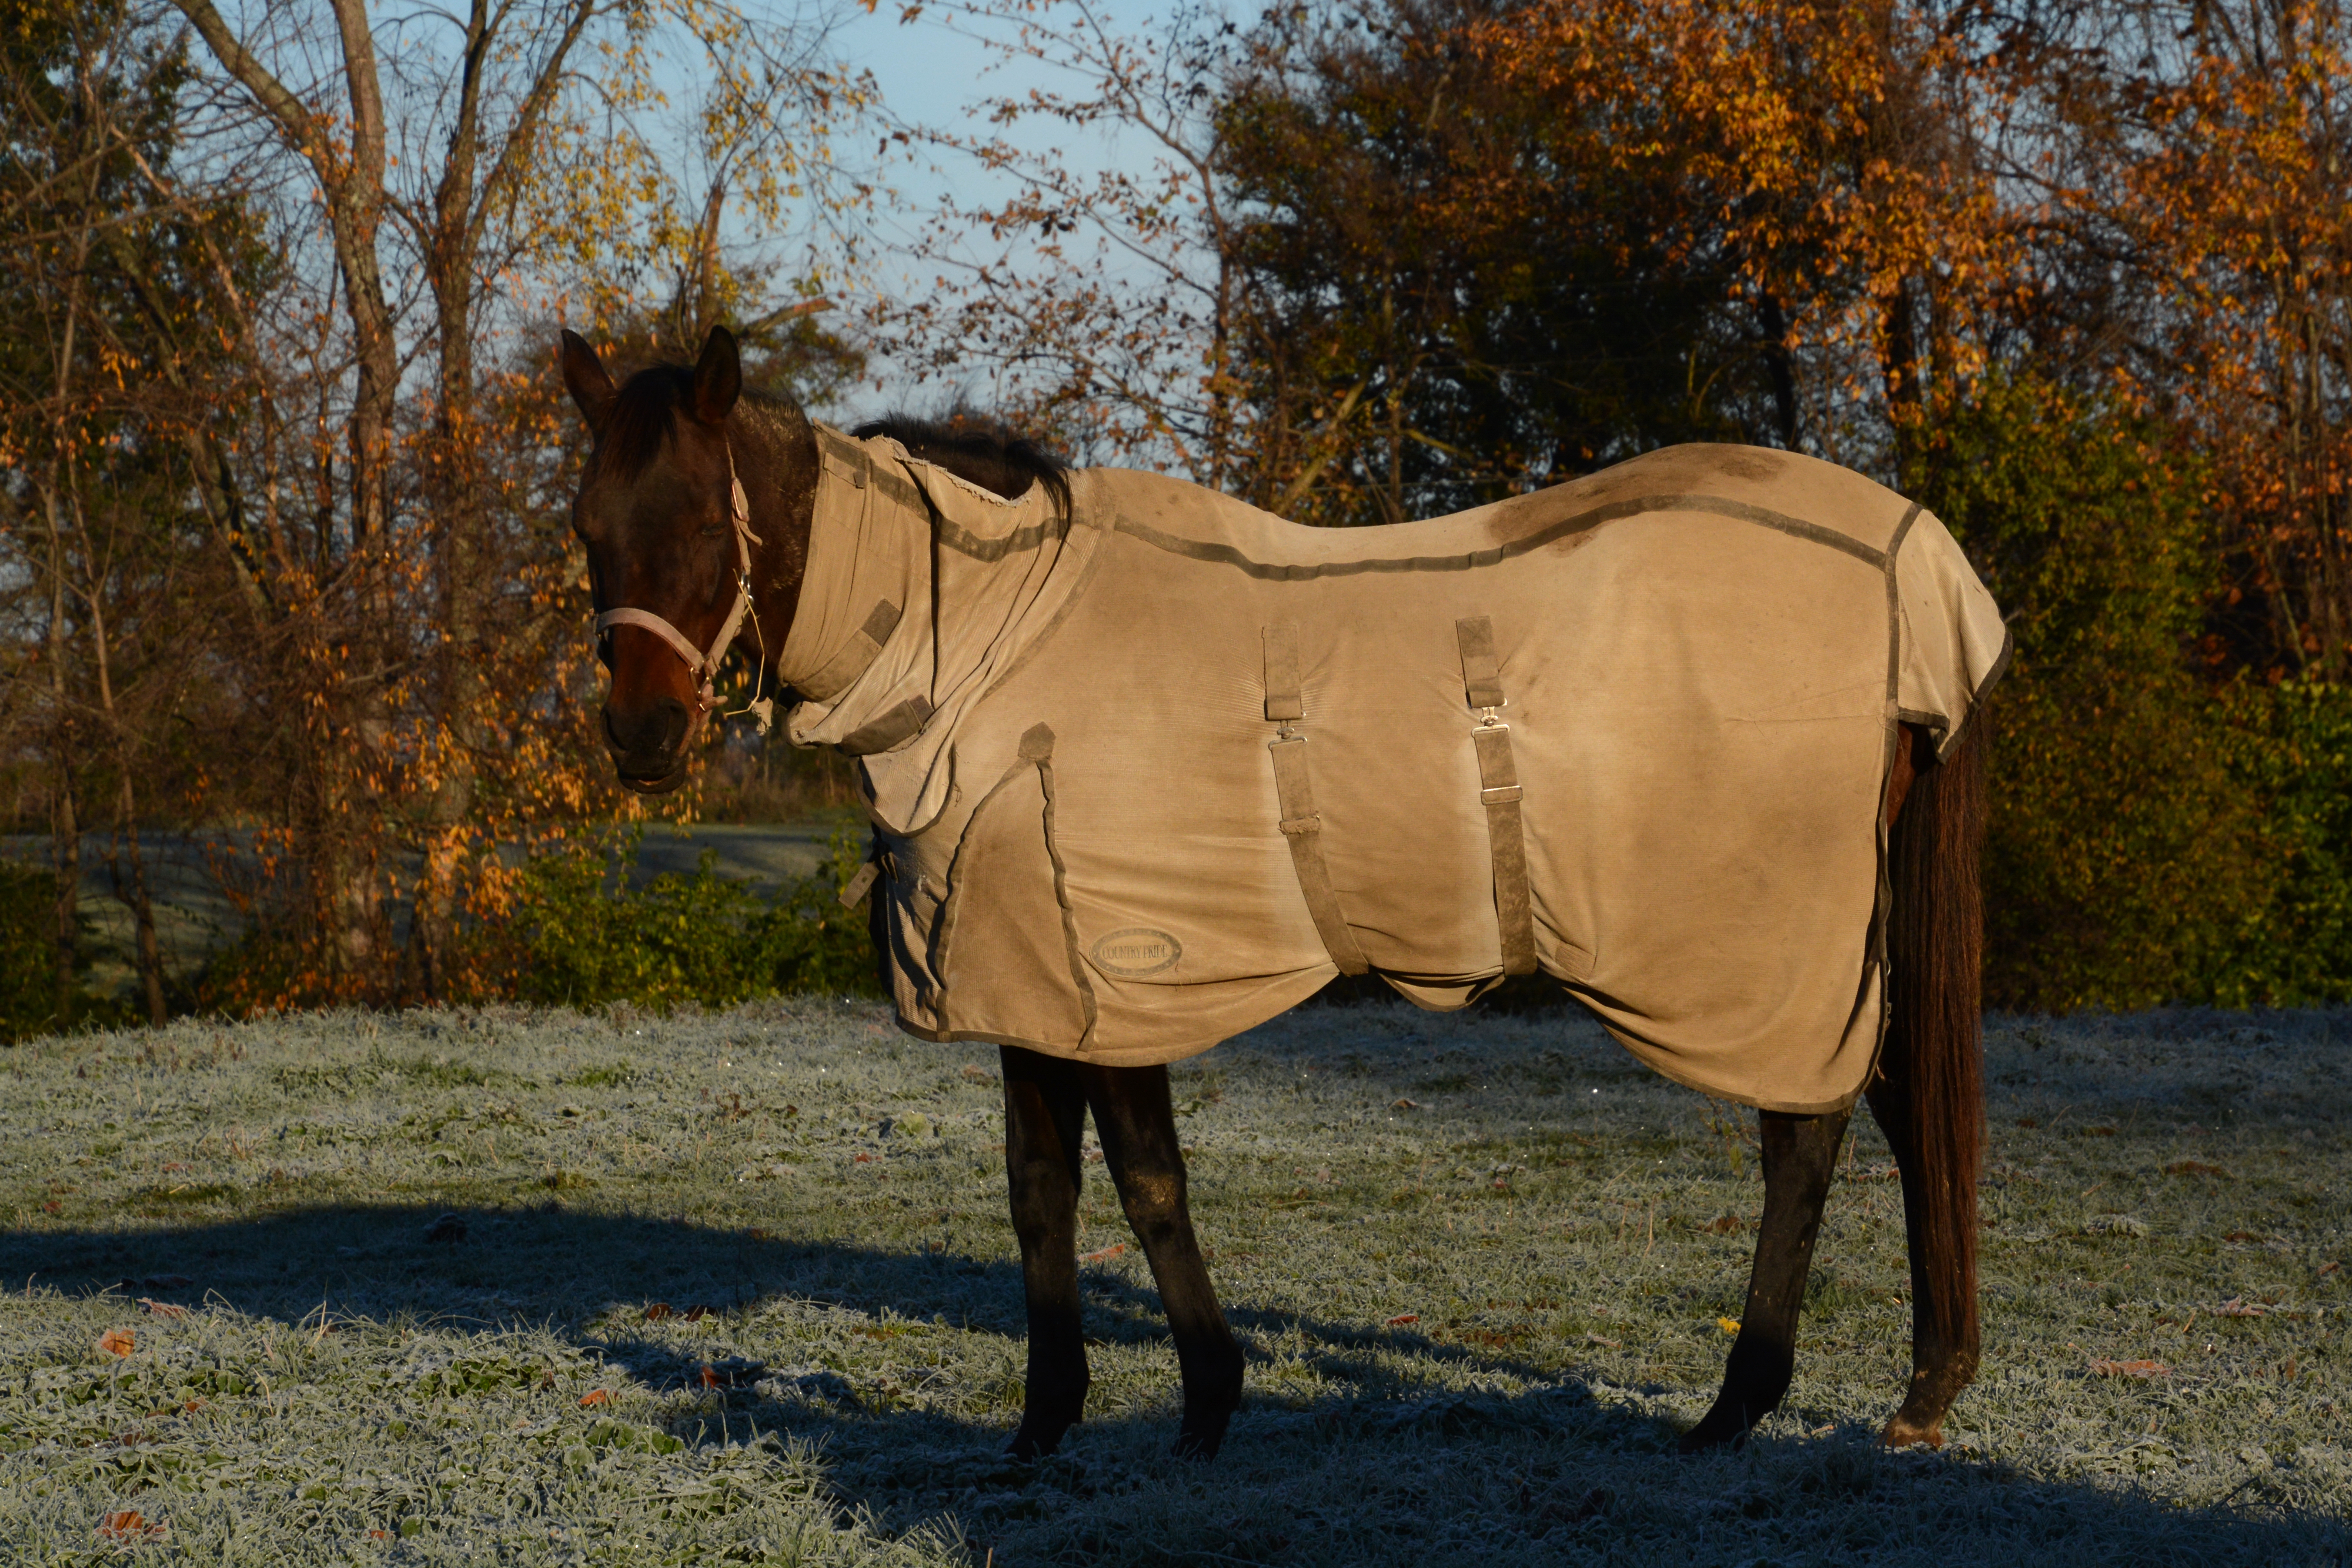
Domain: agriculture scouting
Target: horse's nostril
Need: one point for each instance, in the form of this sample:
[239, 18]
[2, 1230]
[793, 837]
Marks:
[655, 730]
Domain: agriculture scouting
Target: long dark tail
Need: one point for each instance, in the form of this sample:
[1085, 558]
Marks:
[1934, 1060]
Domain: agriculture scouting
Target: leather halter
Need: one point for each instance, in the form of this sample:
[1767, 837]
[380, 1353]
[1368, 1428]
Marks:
[704, 667]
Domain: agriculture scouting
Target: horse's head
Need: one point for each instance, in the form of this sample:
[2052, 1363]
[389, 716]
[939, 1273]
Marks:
[669, 556]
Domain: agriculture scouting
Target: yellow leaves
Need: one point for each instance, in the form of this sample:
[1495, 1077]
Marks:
[1728, 1326]
[117, 1342]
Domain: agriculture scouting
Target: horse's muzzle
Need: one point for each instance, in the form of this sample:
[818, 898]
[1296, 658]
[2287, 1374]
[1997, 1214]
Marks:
[648, 745]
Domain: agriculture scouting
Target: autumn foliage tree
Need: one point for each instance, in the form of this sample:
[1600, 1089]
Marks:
[335, 368]
[2072, 274]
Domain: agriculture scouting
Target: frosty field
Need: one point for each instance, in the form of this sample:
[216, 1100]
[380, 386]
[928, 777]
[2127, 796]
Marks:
[550, 1288]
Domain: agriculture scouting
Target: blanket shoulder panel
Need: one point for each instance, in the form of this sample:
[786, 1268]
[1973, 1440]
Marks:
[1799, 495]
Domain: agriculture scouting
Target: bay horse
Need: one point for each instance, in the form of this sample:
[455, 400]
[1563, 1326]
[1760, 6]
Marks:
[695, 510]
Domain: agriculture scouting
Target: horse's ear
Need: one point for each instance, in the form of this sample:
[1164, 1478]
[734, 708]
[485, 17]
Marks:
[583, 372]
[717, 377]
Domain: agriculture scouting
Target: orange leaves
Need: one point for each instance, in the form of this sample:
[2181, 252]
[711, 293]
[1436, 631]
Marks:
[1401, 1319]
[595, 1397]
[128, 1526]
[117, 1342]
[1103, 1254]
[162, 1309]
[2145, 1370]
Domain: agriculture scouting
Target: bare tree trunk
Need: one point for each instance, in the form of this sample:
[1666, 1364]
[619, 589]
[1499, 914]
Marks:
[65, 839]
[143, 908]
[126, 816]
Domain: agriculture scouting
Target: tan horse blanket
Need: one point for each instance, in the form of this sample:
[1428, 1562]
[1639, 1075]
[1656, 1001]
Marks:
[1148, 773]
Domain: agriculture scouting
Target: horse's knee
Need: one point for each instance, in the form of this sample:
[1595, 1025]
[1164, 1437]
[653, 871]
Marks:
[1153, 1199]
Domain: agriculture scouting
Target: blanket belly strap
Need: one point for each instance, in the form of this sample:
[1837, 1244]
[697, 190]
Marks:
[1294, 791]
[1499, 794]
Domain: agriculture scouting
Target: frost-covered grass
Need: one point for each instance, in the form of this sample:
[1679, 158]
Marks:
[546, 1288]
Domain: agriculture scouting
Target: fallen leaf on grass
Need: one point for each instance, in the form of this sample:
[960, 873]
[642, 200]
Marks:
[861, 1158]
[1728, 1326]
[379, 1535]
[595, 1396]
[162, 1309]
[2115, 1224]
[1406, 1105]
[2194, 1167]
[2329, 1268]
[2131, 1369]
[129, 1525]
[1104, 1254]
[117, 1342]
[2236, 1308]
[1403, 1317]
[657, 1312]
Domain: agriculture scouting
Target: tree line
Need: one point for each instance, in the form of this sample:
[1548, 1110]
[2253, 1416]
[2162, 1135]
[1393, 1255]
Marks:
[286, 552]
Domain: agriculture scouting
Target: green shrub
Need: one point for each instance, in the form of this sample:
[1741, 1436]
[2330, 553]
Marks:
[2129, 860]
[583, 937]
[2291, 744]
[28, 985]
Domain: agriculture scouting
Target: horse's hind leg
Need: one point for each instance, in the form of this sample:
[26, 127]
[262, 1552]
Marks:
[1944, 1332]
[1799, 1153]
[1138, 1135]
[1044, 1115]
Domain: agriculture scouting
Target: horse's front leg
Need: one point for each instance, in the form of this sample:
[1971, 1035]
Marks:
[1799, 1154]
[1139, 1135]
[1044, 1115]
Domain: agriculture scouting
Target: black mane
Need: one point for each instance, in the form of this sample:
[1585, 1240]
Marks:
[986, 452]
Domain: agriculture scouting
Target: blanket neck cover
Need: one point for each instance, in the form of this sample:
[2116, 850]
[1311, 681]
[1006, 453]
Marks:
[1146, 774]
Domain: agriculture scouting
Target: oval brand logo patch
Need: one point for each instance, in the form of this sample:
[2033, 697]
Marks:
[1136, 951]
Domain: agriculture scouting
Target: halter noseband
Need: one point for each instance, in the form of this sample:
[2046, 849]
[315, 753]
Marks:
[704, 667]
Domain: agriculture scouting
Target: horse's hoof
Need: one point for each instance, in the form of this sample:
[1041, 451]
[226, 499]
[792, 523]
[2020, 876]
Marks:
[1709, 1436]
[1200, 1443]
[1725, 1424]
[1902, 1434]
[1027, 1446]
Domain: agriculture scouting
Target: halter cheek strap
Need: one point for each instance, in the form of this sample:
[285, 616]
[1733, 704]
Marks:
[704, 666]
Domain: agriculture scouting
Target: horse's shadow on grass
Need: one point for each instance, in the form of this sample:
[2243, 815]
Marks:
[591, 1277]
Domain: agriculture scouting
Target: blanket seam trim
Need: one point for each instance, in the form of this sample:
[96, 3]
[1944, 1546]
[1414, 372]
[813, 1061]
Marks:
[1472, 561]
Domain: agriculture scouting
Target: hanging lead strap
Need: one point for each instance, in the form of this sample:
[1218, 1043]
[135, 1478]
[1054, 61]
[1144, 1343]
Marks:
[1294, 789]
[1499, 792]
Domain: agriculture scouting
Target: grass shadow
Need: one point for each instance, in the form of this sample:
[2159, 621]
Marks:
[1570, 1470]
